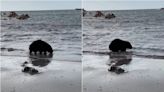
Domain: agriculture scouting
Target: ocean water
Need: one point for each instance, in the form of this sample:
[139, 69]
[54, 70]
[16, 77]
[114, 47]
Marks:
[60, 28]
[144, 29]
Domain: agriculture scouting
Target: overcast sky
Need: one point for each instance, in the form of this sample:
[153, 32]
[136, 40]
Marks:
[39, 4]
[122, 4]
[86, 4]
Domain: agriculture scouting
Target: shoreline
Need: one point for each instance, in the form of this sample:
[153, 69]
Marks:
[143, 75]
[56, 76]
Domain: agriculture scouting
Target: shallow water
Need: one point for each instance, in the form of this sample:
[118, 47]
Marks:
[143, 28]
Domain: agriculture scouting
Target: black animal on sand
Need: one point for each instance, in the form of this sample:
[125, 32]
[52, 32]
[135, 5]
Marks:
[41, 47]
[119, 45]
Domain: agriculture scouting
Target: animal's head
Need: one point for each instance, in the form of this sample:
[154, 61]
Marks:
[129, 46]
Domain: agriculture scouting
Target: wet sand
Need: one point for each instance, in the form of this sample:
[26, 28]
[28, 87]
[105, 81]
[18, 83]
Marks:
[142, 75]
[57, 76]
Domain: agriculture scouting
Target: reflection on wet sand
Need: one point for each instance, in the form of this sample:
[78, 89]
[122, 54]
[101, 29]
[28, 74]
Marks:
[40, 60]
[36, 60]
[117, 59]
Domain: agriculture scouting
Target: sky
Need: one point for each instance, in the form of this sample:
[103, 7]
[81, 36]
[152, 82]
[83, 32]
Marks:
[122, 4]
[16, 5]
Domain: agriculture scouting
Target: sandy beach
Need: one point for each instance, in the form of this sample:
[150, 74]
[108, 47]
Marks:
[58, 76]
[142, 75]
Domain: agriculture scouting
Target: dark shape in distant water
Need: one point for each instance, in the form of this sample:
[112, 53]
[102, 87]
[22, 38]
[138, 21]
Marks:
[84, 12]
[110, 16]
[40, 46]
[20, 17]
[98, 14]
[10, 49]
[23, 17]
[30, 70]
[12, 14]
[119, 45]
[79, 9]
[162, 9]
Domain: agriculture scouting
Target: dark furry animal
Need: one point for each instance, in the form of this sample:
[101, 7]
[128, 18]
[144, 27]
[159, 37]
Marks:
[119, 45]
[41, 47]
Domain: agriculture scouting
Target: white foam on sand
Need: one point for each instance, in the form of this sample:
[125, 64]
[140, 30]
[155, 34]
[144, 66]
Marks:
[58, 76]
[143, 75]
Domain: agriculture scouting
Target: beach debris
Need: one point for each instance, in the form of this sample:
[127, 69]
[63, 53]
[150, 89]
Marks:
[99, 14]
[116, 69]
[110, 16]
[118, 45]
[23, 17]
[24, 64]
[26, 69]
[40, 46]
[120, 70]
[113, 68]
[12, 14]
[30, 70]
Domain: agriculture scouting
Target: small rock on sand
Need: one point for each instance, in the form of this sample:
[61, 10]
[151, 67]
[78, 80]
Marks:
[24, 64]
[117, 70]
[30, 70]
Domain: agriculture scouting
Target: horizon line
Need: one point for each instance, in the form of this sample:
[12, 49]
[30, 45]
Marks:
[84, 9]
[123, 9]
[39, 10]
